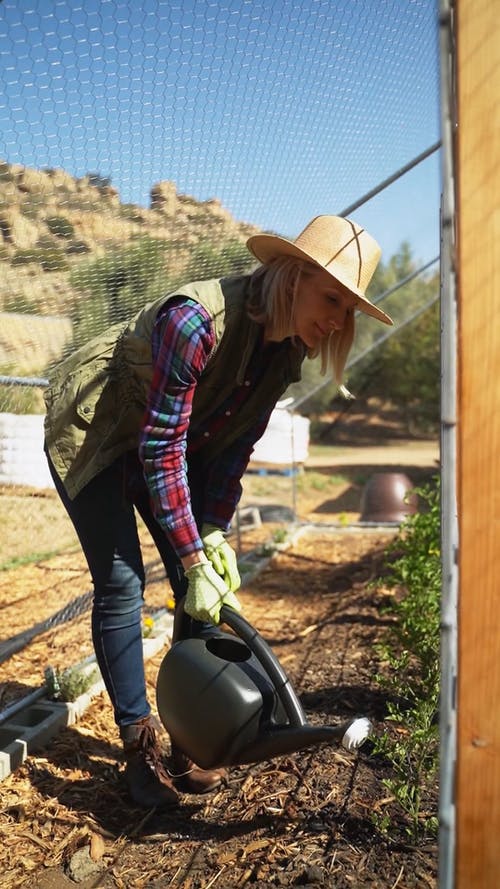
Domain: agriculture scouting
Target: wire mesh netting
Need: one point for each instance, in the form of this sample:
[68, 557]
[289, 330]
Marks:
[142, 144]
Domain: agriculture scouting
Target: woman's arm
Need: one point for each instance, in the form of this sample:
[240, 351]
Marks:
[183, 340]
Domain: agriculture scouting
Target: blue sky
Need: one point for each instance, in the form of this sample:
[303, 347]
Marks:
[282, 110]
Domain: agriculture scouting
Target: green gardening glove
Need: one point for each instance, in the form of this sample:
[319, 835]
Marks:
[206, 593]
[221, 555]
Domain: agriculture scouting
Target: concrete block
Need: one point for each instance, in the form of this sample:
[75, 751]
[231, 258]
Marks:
[35, 725]
[13, 753]
[160, 637]
[75, 709]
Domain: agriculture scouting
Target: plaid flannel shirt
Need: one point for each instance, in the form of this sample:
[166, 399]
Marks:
[183, 340]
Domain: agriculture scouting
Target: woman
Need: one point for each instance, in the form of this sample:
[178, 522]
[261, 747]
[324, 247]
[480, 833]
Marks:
[160, 414]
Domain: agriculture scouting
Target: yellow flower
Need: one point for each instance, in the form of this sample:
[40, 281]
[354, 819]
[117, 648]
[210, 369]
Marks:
[147, 626]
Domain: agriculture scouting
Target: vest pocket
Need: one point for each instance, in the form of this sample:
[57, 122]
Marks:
[93, 397]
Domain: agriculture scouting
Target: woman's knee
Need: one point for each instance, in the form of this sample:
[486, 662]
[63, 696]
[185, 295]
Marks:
[121, 593]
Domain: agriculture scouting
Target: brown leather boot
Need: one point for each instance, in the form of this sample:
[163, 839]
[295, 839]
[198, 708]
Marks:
[191, 778]
[148, 780]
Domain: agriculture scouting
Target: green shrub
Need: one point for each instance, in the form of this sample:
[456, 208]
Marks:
[5, 172]
[19, 399]
[98, 181]
[51, 259]
[209, 260]
[77, 248]
[410, 654]
[115, 285]
[18, 303]
[68, 684]
[60, 226]
[32, 205]
[132, 212]
[25, 255]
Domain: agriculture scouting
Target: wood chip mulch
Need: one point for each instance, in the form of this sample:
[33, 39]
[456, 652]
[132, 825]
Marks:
[305, 819]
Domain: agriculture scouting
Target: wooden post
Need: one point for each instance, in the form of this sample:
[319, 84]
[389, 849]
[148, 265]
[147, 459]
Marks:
[478, 444]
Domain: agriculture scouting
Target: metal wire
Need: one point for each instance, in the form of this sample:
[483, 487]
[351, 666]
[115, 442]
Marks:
[378, 342]
[73, 609]
[40, 382]
[390, 179]
[449, 509]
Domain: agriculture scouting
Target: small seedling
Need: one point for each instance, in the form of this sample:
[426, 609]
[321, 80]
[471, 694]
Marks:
[69, 684]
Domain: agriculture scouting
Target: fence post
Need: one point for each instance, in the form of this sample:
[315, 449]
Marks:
[478, 473]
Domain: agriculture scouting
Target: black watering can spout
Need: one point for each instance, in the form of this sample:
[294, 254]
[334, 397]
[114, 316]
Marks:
[226, 700]
[284, 740]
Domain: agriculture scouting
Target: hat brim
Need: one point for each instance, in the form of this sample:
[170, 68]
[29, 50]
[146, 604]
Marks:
[265, 248]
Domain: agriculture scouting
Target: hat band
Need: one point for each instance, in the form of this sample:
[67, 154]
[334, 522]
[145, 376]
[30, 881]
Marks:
[360, 258]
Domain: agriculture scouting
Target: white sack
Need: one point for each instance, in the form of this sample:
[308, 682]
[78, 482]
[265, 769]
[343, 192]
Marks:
[285, 441]
[22, 459]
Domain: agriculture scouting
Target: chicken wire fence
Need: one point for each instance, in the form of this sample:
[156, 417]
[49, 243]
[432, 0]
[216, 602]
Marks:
[142, 144]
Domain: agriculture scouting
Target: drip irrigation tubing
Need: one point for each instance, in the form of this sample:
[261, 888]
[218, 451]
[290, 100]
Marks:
[75, 608]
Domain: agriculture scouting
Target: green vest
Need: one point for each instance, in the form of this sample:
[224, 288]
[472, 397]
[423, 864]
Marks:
[97, 396]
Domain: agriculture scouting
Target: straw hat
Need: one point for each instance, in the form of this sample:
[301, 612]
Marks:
[339, 246]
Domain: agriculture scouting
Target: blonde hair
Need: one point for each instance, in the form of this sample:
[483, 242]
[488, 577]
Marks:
[273, 296]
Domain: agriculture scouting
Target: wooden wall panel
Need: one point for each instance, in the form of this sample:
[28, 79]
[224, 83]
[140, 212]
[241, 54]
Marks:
[478, 444]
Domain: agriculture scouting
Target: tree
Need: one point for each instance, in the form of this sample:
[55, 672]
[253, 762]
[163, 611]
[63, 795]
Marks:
[98, 181]
[114, 286]
[209, 261]
[405, 368]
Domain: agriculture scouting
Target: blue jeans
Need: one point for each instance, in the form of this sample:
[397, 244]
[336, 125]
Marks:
[103, 515]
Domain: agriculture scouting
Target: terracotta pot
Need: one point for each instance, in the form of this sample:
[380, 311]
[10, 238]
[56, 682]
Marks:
[386, 498]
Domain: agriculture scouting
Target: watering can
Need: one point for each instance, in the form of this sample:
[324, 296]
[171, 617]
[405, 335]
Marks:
[226, 700]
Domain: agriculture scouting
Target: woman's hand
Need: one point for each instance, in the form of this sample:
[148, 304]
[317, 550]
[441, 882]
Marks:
[207, 593]
[221, 555]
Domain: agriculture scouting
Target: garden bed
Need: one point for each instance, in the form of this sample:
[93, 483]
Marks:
[310, 818]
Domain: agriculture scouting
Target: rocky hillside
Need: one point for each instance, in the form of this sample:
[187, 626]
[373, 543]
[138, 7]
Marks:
[50, 221]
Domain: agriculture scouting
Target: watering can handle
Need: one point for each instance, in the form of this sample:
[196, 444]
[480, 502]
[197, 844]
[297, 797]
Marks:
[268, 660]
